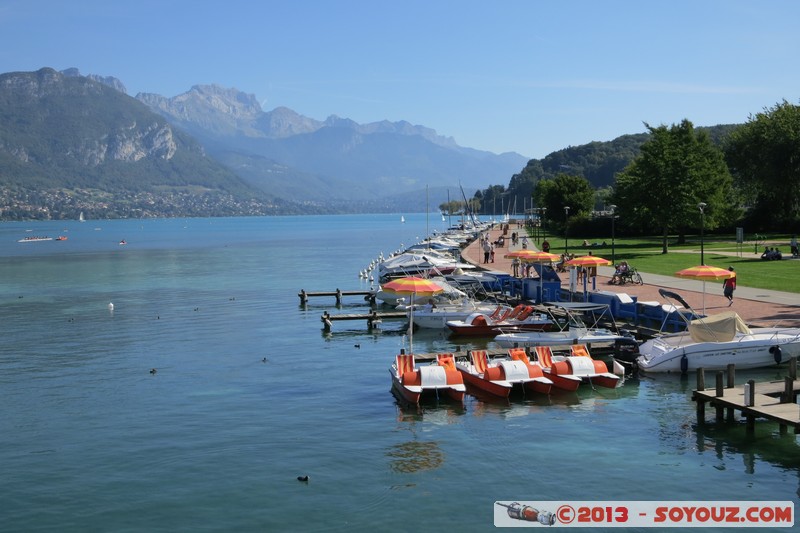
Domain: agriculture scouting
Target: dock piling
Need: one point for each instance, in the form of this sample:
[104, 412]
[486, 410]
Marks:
[775, 401]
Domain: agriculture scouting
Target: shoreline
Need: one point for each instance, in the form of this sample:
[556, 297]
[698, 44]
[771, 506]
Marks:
[759, 307]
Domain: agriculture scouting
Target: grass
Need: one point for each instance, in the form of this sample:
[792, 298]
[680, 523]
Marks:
[644, 254]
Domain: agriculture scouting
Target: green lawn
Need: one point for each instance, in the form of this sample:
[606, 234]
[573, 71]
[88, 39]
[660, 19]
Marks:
[645, 255]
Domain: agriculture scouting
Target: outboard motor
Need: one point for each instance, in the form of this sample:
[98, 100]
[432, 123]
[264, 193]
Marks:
[626, 349]
[776, 354]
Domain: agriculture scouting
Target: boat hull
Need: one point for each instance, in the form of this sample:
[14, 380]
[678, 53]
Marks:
[463, 329]
[555, 338]
[485, 385]
[565, 383]
[676, 354]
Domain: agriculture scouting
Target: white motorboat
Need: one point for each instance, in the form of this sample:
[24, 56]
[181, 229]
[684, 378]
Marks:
[418, 263]
[572, 328]
[437, 317]
[714, 342]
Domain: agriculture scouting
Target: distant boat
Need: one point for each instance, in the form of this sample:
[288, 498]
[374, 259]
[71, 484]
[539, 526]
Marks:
[61, 238]
[35, 239]
[122, 242]
[402, 219]
[80, 217]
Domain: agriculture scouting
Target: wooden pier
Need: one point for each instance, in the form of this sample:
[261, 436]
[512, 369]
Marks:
[369, 295]
[372, 318]
[773, 400]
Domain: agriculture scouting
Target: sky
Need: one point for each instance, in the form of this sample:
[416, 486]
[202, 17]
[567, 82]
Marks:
[525, 76]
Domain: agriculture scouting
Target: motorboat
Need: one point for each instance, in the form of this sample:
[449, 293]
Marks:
[714, 342]
[437, 317]
[498, 376]
[439, 377]
[35, 239]
[571, 328]
[418, 263]
[563, 369]
[503, 319]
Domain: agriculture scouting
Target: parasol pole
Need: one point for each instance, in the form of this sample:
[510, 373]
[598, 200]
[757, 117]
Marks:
[411, 325]
[704, 297]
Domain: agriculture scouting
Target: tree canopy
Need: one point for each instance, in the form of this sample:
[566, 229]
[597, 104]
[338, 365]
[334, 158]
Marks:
[764, 155]
[678, 169]
[564, 191]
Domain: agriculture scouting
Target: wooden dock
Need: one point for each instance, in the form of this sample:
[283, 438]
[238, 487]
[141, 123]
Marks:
[372, 318]
[772, 400]
[369, 295]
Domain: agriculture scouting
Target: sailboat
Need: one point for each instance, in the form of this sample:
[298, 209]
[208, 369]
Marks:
[402, 219]
[80, 217]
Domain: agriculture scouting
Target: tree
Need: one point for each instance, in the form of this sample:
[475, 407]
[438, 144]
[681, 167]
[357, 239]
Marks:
[765, 157]
[677, 169]
[562, 191]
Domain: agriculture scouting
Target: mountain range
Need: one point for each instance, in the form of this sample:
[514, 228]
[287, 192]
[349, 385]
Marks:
[336, 160]
[70, 142]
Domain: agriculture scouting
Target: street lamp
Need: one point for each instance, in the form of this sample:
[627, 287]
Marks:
[613, 216]
[566, 228]
[702, 206]
[544, 231]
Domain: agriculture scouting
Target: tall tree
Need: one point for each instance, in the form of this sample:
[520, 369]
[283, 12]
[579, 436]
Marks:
[678, 169]
[563, 191]
[765, 157]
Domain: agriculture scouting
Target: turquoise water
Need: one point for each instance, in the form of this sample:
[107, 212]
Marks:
[90, 440]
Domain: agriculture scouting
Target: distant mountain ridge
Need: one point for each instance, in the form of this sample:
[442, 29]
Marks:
[69, 143]
[345, 161]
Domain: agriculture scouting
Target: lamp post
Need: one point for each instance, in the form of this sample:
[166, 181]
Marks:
[544, 231]
[702, 206]
[566, 229]
[613, 216]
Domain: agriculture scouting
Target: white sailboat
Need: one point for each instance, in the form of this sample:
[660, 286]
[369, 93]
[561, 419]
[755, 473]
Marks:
[80, 217]
[402, 219]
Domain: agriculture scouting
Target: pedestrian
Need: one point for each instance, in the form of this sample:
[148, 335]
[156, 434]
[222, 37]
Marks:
[487, 250]
[728, 286]
[545, 246]
[491, 253]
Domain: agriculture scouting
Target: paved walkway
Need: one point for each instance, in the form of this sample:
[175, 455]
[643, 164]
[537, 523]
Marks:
[760, 307]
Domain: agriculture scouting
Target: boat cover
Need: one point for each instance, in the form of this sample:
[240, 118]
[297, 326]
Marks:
[721, 327]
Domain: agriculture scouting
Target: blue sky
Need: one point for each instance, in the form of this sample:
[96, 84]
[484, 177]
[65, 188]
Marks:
[526, 76]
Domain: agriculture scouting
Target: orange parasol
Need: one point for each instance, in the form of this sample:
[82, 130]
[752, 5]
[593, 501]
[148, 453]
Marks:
[588, 261]
[412, 285]
[532, 256]
[704, 273]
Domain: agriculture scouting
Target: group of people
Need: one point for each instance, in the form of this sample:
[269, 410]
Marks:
[771, 254]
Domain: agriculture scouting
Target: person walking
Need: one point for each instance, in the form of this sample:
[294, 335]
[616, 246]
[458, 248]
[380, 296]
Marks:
[728, 286]
[487, 250]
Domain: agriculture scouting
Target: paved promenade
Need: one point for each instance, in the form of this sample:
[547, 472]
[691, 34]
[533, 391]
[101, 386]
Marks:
[759, 307]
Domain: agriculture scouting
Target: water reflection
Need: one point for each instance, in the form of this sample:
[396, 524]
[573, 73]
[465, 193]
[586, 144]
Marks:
[415, 456]
[765, 444]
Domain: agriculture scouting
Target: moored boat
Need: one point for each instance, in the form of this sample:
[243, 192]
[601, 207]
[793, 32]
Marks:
[571, 328]
[580, 364]
[503, 319]
[714, 342]
[440, 377]
[500, 375]
[561, 380]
